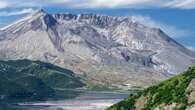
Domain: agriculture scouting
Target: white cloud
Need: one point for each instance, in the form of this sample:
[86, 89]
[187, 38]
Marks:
[182, 4]
[191, 48]
[111, 3]
[13, 13]
[171, 30]
[4, 4]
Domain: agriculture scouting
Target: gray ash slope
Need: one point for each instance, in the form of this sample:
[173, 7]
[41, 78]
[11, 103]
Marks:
[101, 49]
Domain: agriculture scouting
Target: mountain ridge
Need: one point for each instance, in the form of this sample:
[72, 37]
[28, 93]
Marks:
[102, 49]
[34, 80]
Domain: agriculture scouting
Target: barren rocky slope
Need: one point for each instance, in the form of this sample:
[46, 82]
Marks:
[102, 49]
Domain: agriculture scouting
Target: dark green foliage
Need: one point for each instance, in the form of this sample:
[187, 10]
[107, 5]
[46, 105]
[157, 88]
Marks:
[50, 74]
[34, 88]
[167, 92]
[25, 79]
[127, 104]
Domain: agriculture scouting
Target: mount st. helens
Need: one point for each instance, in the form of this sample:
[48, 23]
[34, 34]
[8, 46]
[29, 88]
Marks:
[101, 49]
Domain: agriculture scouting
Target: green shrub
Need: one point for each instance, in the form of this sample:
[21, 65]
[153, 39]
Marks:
[167, 92]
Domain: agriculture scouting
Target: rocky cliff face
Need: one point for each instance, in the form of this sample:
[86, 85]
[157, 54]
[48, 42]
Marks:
[102, 49]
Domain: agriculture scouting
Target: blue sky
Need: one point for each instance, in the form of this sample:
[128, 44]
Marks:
[175, 17]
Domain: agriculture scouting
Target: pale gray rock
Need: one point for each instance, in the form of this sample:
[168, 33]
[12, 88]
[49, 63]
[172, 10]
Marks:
[101, 49]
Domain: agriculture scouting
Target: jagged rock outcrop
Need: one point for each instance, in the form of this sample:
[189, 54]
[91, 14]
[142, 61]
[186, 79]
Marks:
[102, 49]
